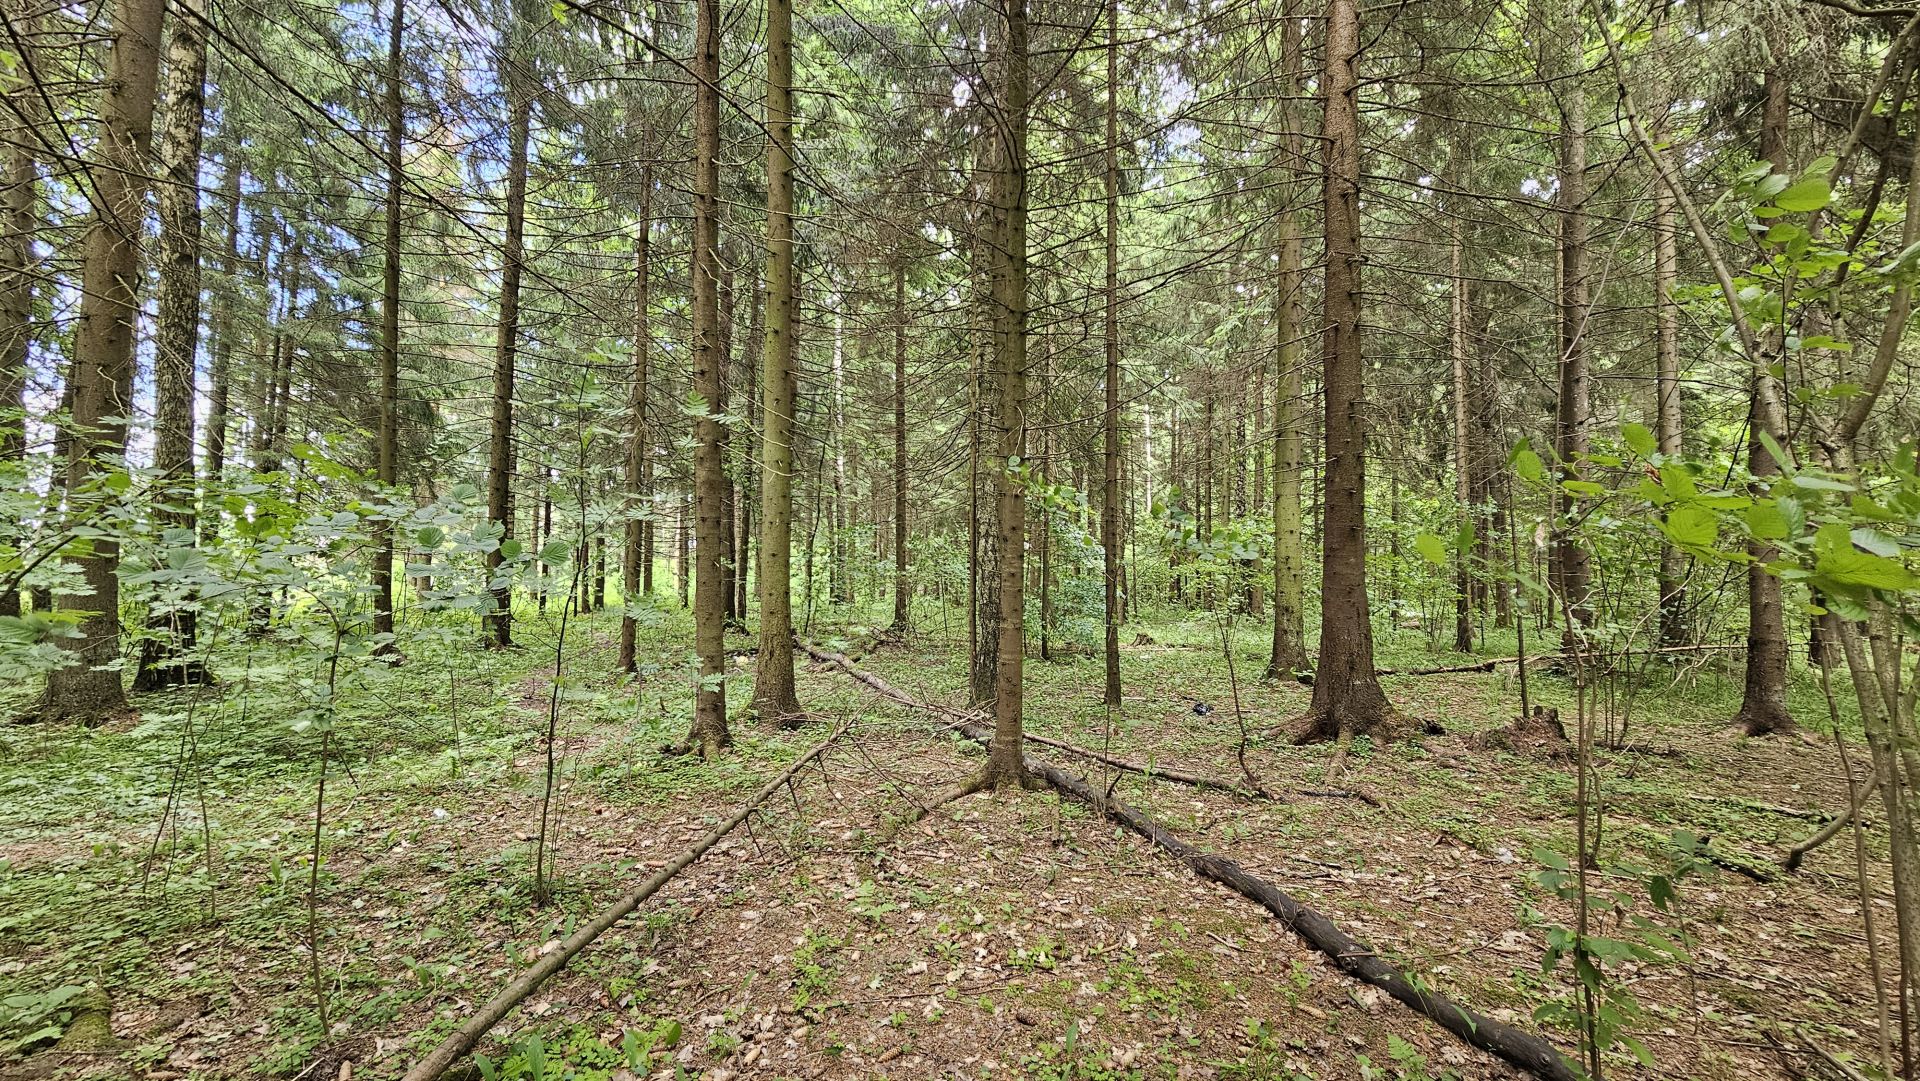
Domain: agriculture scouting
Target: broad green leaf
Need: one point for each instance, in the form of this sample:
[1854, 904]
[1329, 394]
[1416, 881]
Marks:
[1691, 527]
[1639, 438]
[1820, 484]
[1809, 193]
[1678, 481]
[1876, 542]
[1766, 521]
[1433, 548]
[1527, 464]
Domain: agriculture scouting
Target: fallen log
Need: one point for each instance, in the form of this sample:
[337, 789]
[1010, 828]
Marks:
[1492, 663]
[962, 717]
[1791, 861]
[1757, 805]
[463, 1041]
[1347, 953]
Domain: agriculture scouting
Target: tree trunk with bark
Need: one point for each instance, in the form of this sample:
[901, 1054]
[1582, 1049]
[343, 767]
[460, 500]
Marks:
[635, 577]
[500, 449]
[708, 734]
[220, 363]
[1347, 699]
[902, 585]
[165, 656]
[88, 689]
[1459, 352]
[1005, 753]
[773, 681]
[1110, 343]
[1289, 656]
[389, 435]
[1668, 420]
[18, 224]
[1571, 562]
[1763, 702]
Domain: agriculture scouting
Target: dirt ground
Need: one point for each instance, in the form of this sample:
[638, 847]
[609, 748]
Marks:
[1015, 936]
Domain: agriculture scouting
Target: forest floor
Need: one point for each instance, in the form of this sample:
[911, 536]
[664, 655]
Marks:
[1016, 936]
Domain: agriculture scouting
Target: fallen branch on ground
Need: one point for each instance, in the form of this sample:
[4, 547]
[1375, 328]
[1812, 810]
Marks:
[1791, 861]
[1492, 663]
[1756, 805]
[960, 717]
[468, 1036]
[1351, 956]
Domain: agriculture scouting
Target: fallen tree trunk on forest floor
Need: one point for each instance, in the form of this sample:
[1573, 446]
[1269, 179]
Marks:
[1791, 861]
[960, 718]
[463, 1041]
[1350, 955]
[1492, 663]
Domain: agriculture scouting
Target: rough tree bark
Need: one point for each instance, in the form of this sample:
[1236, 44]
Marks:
[634, 577]
[220, 374]
[902, 585]
[1347, 699]
[708, 734]
[983, 540]
[1571, 569]
[1005, 754]
[88, 688]
[1289, 656]
[1763, 701]
[18, 224]
[1110, 426]
[500, 450]
[773, 689]
[389, 436]
[18, 192]
[165, 655]
[1458, 351]
[1667, 415]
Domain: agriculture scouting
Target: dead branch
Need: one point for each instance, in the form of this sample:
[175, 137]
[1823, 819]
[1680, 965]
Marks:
[1351, 956]
[1791, 861]
[960, 717]
[468, 1036]
[1491, 663]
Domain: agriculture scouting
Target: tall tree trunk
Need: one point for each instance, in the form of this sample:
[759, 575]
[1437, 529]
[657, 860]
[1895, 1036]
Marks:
[220, 376]
[18, 224]
[728, 502]
[683, 546]
[1110, 342]
[1457, 349]
[1763, 703]
[389, 436]
[1667, 415]
[773, 683]
[1043, 465]
[636, 572]
[88, 688]
[749, 457]
[984, 564]
[708, 734]
[902, 586]
[165, 657]
[1005, 764]
[1571, 562]
[840, 542]
[1347, 698]
[500, 450]
[1289, 655]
